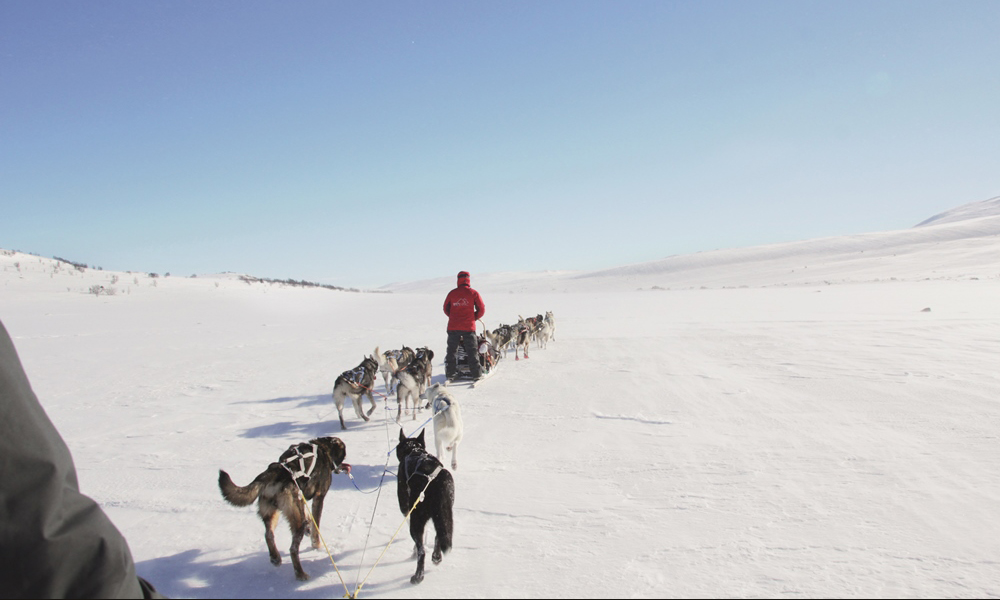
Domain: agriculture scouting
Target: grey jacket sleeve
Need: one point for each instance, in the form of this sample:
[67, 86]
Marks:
[54, 541]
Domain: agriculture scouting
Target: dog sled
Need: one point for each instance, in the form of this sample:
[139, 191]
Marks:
[488, 358]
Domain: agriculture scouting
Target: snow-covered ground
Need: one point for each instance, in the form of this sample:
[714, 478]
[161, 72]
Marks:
[812, 419]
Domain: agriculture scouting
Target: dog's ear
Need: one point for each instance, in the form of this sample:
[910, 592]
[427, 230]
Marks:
[420, 438]
[402, 436]
[339, 449]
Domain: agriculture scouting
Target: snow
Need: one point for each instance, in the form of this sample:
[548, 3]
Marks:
[784, 420]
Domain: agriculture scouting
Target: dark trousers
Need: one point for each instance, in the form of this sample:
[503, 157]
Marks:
[468, 339]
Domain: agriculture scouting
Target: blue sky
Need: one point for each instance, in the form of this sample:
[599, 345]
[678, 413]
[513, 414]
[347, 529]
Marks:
[362, 143]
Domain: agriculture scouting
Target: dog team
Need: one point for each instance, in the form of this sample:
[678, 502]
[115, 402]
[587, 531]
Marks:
[304, 472]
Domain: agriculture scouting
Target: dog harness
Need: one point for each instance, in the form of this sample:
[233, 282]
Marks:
[299, 463]
[421, 459]
[354, 377]
[446, 404]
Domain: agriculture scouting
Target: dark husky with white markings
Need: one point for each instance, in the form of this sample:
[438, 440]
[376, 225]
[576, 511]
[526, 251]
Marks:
[308, 467]
[420, 472]
[355, 384]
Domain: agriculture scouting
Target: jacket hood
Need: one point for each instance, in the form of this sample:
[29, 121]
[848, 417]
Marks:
[463, 278]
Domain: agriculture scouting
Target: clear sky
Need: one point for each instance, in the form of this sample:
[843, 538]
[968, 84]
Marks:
[361, 143]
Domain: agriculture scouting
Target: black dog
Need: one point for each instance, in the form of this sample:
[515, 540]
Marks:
[308, 467]
[420, 472]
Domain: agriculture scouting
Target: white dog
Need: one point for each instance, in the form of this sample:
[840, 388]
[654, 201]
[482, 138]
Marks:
[544, 334]
[447, 422]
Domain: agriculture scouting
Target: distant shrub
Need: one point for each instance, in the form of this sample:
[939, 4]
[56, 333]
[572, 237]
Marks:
[79, 266]
[100, 290]
[292, 282]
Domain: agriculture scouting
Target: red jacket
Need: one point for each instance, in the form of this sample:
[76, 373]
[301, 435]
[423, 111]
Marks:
[463, 306]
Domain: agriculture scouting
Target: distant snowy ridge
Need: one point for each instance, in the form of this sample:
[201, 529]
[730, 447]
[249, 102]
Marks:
[960, 243]
[973, 210]
[836, 257]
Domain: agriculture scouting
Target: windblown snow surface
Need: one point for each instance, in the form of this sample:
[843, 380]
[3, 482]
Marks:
[812, 419]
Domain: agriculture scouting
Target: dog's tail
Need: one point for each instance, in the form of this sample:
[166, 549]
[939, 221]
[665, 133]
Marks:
[444, 525]
[243, 495]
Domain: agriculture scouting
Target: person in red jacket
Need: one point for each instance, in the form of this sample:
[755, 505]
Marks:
[464, 306]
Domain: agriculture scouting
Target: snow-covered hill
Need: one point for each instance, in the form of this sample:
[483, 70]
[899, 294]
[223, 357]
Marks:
[966, 212]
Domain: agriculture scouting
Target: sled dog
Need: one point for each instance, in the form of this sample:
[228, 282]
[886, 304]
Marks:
[522, 339]
[550, 319]
[501, 338]
[448, 427]
[355, 384]
[307, 467]
[413, 380]
[427, 355]
[403, 356]
[420, 472]
[544, 334]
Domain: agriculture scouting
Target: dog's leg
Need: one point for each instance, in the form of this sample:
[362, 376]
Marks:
[399, 402]
[357, 407]
[317, 510]
[338, 399]
[297, 520]
[454, 456]
[372, 400]
[417, 523]
[294, 551]
[270, 517]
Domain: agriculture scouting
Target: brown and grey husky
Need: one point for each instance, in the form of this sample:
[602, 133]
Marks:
[308, 467]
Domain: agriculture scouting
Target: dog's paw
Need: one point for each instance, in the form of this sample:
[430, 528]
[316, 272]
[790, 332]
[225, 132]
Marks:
[302, 576]
[436, 557]
[417, 579]
[276, 560]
